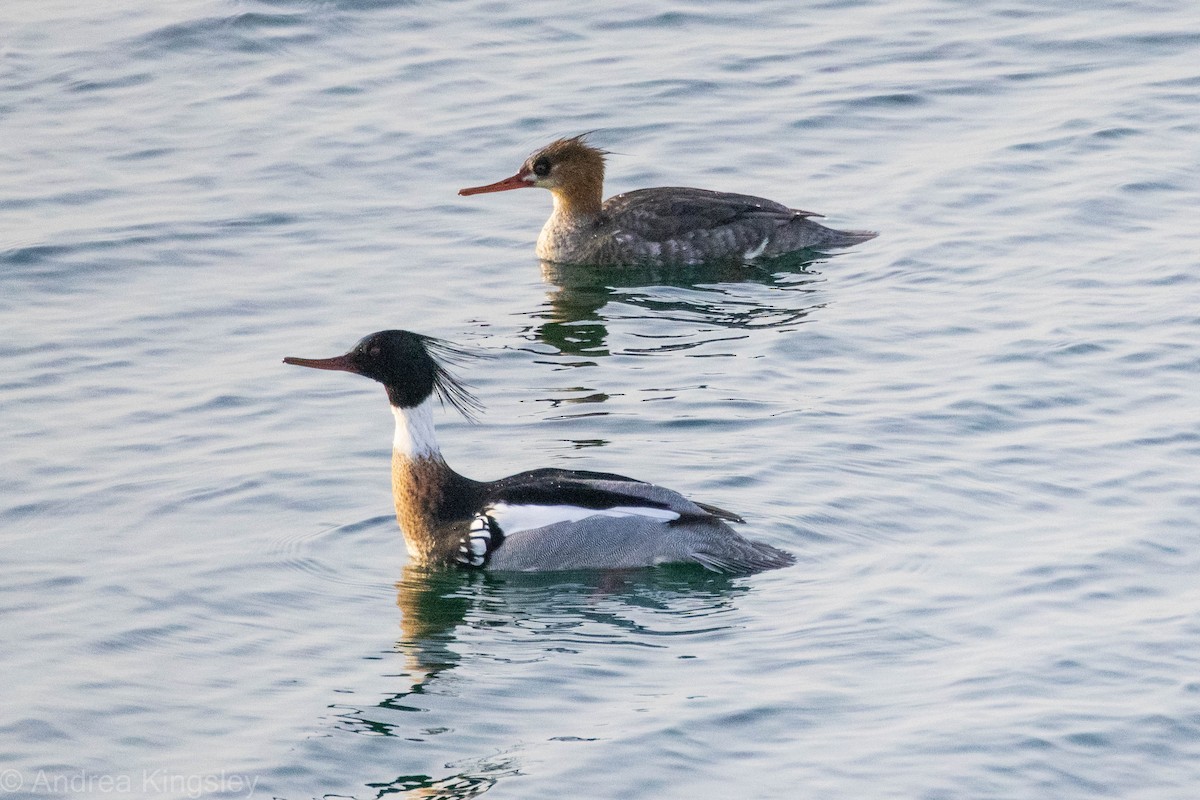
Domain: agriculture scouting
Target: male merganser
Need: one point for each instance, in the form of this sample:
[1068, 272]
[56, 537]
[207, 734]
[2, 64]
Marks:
[666, 226]
[544, 519]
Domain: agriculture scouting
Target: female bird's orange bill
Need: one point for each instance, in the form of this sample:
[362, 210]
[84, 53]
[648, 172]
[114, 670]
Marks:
[515, 182]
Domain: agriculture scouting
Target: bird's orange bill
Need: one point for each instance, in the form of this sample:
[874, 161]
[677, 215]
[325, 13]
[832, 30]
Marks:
[515, 182]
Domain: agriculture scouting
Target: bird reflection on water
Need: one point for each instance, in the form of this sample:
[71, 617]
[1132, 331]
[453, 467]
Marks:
[464, 620]
[435, 603]
[724, 299]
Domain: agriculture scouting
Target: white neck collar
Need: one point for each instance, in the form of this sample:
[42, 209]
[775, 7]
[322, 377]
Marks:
[415, 437]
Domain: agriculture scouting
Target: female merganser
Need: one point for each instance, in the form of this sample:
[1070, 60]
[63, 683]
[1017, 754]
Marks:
[544, 519]
[667, 226]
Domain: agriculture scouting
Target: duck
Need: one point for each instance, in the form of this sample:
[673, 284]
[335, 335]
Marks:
[540, 520]
[667, 226]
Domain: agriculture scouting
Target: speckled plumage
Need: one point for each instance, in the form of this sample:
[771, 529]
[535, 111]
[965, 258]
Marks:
[419, 486]
[665, 226]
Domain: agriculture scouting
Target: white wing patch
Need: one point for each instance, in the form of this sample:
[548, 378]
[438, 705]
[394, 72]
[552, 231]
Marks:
[750, 255]
[513, 518]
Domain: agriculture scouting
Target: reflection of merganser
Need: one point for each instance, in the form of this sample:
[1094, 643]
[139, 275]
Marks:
[545, 519]
[664, 226]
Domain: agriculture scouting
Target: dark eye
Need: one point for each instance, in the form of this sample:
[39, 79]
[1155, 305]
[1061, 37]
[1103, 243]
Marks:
[541, 167]
[375, 351]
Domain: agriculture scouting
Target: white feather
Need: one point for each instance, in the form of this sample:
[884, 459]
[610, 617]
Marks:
[750, 255]
[513, 518]
[414, 436]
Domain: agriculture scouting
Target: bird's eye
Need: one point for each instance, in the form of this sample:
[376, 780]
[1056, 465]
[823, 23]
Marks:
[541, 167]
[375, 351]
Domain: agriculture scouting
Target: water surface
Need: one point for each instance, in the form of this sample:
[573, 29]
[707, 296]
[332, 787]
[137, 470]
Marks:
[978, 432]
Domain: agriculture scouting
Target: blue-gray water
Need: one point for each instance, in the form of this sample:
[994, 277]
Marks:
[979, 433]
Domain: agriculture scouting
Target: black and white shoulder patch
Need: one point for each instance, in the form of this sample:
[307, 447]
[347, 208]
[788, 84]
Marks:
[479, 542]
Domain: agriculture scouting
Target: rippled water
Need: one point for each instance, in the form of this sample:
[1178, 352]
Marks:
[978, 432]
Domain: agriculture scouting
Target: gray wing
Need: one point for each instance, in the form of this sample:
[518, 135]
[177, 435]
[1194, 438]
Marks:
[691, 226]
[666, 213]
[633, 542]
[699, 535]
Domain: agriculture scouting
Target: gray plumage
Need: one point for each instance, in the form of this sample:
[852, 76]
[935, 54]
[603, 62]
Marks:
[700, 535]
[629, 542]
[684, 226]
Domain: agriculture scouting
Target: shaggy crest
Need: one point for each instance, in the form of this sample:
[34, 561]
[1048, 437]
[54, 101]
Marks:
[450, 389]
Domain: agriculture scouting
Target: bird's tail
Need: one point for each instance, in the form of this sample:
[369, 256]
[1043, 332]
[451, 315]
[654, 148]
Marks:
[850, 238]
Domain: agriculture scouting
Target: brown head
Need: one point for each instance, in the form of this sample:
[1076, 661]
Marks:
[570, 168]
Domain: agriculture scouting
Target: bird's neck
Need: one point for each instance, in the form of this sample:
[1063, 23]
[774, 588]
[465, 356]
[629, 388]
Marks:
[422, 485]
[575, 217]
[415, 436]
[580, 198]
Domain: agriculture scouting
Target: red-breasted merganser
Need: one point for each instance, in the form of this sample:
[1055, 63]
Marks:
[544, 519]
[667, 226]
